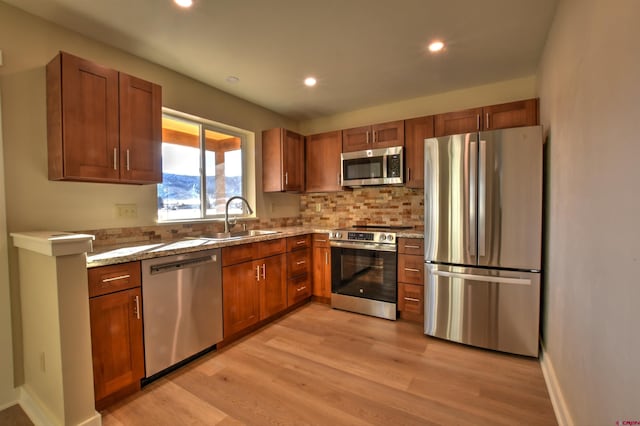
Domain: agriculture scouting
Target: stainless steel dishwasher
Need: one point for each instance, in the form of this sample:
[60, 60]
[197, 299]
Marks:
[182, 307]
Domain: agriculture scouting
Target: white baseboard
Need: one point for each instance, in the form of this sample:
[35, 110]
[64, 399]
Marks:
[9, 404]
[563, 416]
[34, 409]
[95, 420]
[40, 416]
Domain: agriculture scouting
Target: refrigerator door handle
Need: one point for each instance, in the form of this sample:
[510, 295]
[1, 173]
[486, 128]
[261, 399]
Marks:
[482, 198]
[500, 280]
[473, 164]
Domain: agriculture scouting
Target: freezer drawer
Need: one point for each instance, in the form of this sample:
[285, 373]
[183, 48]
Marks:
[493, 309]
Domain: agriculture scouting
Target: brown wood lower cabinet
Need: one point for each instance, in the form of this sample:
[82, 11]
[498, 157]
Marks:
[321, 268]
[411, 279]
[115, 308]
[298, 269]
[253, 290]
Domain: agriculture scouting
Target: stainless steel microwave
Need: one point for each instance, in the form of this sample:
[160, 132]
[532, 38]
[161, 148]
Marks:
[382, 166]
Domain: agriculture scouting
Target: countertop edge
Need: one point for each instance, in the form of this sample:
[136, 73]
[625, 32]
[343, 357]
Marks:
[128, 252]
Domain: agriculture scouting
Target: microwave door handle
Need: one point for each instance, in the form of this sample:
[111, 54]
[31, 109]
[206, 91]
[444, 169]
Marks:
[384, 167]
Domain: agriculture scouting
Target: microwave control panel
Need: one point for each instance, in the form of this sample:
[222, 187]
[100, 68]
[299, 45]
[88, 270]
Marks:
[394, 166]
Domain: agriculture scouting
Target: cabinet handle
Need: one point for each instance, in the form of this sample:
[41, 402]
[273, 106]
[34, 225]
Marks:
[374, 136]
[487, 121]
[367, 137]
[320, 241]
[127, 160]
[301, 242]
[477, 121]
[258, 273]
[264, 271]
[301, 262]
[120, 277]
[326, 258]
[412, 269]
[301, 288]
[411, 299]
[286, 178]
[115, 158]
[137, 310]
[408, 246]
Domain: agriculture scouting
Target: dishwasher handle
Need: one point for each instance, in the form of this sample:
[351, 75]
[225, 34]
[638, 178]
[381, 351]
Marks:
[181, 264]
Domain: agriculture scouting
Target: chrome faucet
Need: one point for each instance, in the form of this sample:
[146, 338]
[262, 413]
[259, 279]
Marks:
[229, 223]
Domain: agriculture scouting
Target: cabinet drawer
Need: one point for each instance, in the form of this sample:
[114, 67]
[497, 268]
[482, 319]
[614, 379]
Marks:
[411, 269]
[107, 279]
[321, 240]
[298, 242]
[237, 254]
[298, 289]
[299, 262]
[411, 298]
[270, 248]
[411, 246]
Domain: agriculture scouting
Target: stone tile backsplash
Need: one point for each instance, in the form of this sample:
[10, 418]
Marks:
[361, 206]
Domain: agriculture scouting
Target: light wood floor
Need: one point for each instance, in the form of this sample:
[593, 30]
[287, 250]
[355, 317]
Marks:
[327, 367]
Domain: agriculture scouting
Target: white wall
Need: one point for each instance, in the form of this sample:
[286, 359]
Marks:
[589, 86]
[7, 392]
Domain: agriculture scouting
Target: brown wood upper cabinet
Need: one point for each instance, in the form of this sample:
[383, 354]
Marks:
[282, 161]
[416, 130]
[102, 125]
[323, 162]
[375, 136]
[501, 116]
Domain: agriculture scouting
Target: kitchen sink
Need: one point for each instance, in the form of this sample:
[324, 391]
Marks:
[240, 234]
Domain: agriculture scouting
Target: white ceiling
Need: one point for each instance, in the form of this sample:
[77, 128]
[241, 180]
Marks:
[363, 52]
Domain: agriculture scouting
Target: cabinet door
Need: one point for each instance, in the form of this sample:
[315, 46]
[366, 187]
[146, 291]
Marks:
[357, 139]
[140, 130]
[512, 114]
[411, 301]
[272, 285]
[323, 162]
[388, 134]
[293, 153]
[416, 131]
[321, 272]
[116, 341]
[89, 119]
[240, 297]
[454, 123]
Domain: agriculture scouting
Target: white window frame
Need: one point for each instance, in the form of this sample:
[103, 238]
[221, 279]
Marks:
[246, 140]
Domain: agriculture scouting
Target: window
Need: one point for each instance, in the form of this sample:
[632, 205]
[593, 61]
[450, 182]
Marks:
[201, 169]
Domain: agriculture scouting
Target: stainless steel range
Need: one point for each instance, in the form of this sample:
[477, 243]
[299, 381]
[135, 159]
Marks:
[364, 270]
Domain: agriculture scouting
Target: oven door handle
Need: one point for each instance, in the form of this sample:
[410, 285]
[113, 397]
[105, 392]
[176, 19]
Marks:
[361, 246]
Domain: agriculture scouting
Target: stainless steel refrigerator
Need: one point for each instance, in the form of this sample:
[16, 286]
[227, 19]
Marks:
[483, 230]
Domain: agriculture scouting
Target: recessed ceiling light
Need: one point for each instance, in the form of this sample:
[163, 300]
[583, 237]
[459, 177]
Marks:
[436, 46]
[310, 81]
[232, 79]
[184, 3]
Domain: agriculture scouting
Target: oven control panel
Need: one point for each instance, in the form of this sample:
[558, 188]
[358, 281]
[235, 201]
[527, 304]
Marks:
[363, 236]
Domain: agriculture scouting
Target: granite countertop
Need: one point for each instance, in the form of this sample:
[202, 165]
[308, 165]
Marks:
[129, 252]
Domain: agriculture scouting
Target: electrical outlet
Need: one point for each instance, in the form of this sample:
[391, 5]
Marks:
[318, 207]
[128, 211]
